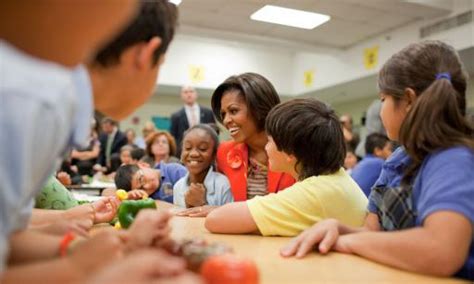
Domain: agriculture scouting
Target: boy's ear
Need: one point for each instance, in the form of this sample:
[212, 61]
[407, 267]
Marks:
[378, 152]
[410, 96]
[146, 52]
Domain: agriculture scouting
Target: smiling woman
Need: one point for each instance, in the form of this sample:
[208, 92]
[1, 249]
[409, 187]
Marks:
[241, 103]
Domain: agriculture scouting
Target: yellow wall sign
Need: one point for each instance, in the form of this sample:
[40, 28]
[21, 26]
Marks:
[371, 57]
[196, 73]
[308, 78]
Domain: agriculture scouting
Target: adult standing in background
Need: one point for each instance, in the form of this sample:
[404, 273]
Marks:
[189, 115]
[111, 140]
[373, 124]
[351, 137]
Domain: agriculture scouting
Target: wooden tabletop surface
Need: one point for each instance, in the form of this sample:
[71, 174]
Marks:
[314, 268]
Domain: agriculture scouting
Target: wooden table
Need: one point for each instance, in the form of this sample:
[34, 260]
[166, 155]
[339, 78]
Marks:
[314, 268]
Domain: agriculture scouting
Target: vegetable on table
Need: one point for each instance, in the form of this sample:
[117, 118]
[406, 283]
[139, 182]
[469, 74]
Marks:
[229, 269]
[129, 209]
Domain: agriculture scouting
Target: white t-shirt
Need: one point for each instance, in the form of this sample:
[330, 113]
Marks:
[38, 121]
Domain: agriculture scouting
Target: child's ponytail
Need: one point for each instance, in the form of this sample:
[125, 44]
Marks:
[437, 118]
[436, 121]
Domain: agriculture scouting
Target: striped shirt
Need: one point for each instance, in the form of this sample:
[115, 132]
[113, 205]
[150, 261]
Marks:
[256, 179]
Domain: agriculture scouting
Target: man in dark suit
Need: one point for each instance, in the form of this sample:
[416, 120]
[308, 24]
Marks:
[189, 115]
[111, 140]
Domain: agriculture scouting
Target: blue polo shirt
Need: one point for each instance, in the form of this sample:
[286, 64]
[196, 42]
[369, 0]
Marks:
[170, 174]
[367, 171]
[445, 181]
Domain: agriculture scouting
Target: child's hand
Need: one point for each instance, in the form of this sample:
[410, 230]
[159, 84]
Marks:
[200, 211]
[94, 253]
[324, 233]
[64, 178]
[146, 266]
[81, 212]
[150, 228]
[196, 195]
[105, 209]
[137, 194]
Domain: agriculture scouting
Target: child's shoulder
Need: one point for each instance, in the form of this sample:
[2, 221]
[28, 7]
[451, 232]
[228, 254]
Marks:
[455, 157]
[219, 177]
[448, 162]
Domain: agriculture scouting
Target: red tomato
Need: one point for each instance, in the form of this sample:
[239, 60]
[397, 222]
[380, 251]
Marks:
[229, 269]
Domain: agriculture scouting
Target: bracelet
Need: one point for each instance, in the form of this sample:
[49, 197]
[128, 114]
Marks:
[64, 244]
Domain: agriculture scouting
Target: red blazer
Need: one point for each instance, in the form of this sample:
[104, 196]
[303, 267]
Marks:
[232, 160]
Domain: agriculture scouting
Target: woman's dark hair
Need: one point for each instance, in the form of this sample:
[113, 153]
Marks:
[433, 70]
[259, 94]
[311, 131]
[155, 18]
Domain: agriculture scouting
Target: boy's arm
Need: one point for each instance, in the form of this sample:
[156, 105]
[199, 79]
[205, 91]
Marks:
[53, 271]
[232, 218]
[29, 245]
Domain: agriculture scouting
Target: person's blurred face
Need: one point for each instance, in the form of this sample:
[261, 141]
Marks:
[188, 95]
[146, 179]
[125, 157]
[160, 146]
[278, 160]
[236, 117]
[392, 114]
[129, 83]
[130, 136]
[147, 130]
[350, 161]
[107, 127]
[197, 154]
[47, 27]
[386, 150]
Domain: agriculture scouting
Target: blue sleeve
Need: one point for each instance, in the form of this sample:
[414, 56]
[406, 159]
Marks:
[224, 190]
[447, 183]
[366, 173]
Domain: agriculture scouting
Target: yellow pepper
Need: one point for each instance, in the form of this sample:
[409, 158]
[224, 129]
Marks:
[121, 194]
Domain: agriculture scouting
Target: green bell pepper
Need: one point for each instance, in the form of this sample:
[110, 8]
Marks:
[129, 209]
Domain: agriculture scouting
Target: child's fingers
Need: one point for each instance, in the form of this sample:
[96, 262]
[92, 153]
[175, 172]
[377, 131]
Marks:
[329, 239]
[291, 248]
[309, 241]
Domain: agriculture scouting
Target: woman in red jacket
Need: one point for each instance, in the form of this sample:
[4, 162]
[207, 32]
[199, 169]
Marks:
[241, 103]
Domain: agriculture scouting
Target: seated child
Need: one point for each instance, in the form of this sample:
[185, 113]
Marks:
[202, 185]
[157, 183]
[377, 148]
[126, 155]
[55, 202]
[137, 154]
[305, 140]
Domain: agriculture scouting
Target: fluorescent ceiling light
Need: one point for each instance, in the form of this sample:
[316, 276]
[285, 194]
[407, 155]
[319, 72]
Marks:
[289, 17]
[176, 2]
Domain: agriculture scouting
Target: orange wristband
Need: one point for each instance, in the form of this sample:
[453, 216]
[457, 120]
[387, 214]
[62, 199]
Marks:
[64, 244]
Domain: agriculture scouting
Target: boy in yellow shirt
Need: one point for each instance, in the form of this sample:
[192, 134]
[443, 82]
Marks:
[305, 139]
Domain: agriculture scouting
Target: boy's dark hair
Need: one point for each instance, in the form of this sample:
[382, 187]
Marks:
[137, 153]
[375, 140]
[155, 18]
[259, 94]
[123, 176]
[437, 118]
[210, 131]
[311, 131]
